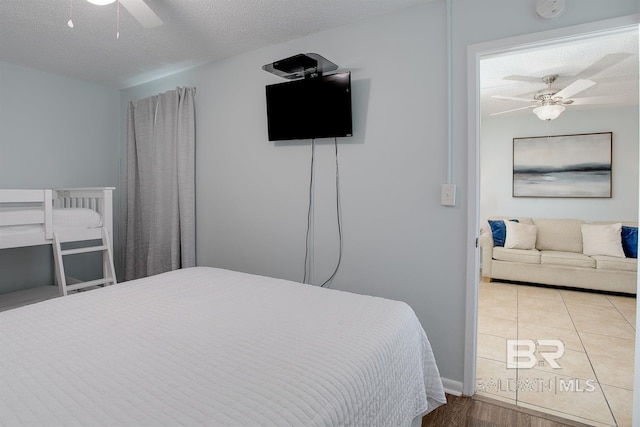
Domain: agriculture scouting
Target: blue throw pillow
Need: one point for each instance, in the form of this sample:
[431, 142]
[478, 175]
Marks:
[630, 241]
[499, 231]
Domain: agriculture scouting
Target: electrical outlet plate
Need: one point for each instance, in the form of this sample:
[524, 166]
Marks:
[448, 195]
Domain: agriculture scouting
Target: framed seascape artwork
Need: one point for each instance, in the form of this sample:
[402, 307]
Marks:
[562, 166]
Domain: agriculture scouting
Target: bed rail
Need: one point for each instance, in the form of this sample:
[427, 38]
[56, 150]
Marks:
[21, 197]
[99, 199]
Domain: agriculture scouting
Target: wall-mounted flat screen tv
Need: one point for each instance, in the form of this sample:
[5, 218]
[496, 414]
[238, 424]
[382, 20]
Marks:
[317, 107]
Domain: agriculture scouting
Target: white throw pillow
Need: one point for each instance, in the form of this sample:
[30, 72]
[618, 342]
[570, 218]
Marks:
[602, 239]
[520, 236]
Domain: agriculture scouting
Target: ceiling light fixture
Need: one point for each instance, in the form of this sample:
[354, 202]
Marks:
[101, 2]
[137, 8]
[549, 112]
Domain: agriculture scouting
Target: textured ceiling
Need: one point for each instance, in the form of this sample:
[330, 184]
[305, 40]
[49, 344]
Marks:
[609, 60]
[34, 33]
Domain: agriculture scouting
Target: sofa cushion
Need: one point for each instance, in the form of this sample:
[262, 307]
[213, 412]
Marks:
[615, 263]
[520, 236]
[630, 241]
[559, 234]
[527, 256]
[602, 239]
[567, 259]
[499, 230]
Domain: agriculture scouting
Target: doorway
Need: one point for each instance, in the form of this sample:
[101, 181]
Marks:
[526, 296]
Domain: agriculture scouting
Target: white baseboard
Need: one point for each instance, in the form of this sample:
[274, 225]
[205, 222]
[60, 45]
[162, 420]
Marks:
[452, 387]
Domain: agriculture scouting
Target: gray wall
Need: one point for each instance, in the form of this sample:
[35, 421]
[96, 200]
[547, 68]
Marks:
[398, 241]
[496, 161]
[54, 132]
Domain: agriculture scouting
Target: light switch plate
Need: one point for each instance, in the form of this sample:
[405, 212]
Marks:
[448, 195]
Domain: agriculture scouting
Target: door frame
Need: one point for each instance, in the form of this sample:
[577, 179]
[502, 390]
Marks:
[474, 54]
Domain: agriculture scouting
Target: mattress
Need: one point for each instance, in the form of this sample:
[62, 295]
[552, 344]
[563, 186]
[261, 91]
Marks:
[205, 346]
[63, 218]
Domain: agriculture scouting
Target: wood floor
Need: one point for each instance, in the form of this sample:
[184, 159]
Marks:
[474, 412]
[27, 296]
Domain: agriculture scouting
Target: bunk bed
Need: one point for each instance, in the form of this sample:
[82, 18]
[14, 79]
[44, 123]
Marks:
[31, 217]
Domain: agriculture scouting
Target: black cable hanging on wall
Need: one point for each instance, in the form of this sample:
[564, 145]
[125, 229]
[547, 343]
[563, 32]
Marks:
[309, 210]
[310, 214]
[338, 216]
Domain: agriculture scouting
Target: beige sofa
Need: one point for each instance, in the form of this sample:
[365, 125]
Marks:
[558, 258]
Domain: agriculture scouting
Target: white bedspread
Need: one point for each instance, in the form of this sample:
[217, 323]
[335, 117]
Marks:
[213, 347]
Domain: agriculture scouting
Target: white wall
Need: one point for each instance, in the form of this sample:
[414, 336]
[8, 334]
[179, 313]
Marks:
[398, 241]
[54, 132]
[496, 162]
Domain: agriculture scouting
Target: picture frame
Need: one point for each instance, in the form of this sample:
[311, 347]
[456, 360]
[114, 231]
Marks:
[571, 166]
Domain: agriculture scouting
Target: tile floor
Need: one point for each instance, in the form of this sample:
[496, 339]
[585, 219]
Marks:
[594, 381]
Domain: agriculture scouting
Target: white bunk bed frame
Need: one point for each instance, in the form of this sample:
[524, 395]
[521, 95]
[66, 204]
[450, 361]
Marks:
[99, 199]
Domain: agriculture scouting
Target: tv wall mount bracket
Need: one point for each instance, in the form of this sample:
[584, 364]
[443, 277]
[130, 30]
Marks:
[302, 65]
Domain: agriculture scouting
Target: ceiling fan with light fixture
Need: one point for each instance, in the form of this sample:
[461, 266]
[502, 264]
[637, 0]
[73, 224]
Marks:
[549, 103]
[137, 8]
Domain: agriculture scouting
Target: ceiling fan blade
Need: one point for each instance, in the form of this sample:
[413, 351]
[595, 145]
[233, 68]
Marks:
[574, 88]
[142, 12]
[512, 98]
[596, 100]
[523, 78]
[511, 111]
[603, 63]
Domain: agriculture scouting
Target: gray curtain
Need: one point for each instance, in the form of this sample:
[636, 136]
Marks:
[160, 225]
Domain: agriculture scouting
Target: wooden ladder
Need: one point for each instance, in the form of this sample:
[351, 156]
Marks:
[108, 270]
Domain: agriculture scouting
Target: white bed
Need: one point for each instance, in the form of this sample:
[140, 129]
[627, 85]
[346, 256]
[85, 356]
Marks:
[205, 346]
[29, 217]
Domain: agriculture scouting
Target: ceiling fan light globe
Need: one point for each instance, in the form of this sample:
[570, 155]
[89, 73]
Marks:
[101, 2]
[549, 112]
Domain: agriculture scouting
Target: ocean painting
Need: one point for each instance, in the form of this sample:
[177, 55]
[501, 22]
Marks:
[562, 166]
